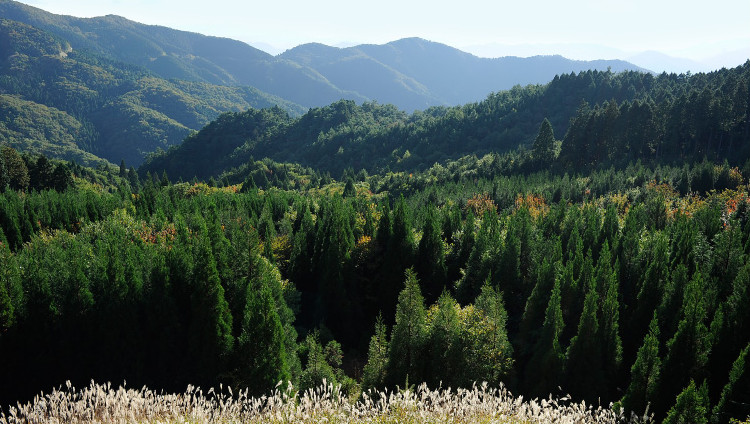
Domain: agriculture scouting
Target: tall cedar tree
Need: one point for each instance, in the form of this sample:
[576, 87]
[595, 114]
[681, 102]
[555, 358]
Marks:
[493, 353]
[732, 403]
[374, 372]
[543, 149]
[430, 261]
[211, 339]
[688, 349]
[406, 351]
[544, 370]
[583, 364]
[536, 307]
[644, 375]
[606, 278]
[481, 260]
[444, 348]
[261, 354]
[691, 407]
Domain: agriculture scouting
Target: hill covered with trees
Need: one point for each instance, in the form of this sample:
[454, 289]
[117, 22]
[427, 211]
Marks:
[73, 104]
[606, 119]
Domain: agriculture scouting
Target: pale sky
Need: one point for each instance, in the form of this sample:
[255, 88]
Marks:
[588, 29]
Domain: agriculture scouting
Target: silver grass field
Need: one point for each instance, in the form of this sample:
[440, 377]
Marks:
[326, 404]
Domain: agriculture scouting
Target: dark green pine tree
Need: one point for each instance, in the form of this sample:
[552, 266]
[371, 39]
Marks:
[481, 260]
[536, 306]
[671, 301]
[406, 351]
[651, 284]
[544, 370]
[688, 349]
[583, 364]
[468, 238]
[349, 190]
[385, 229]
[609, 321]
[430, 261]
[374, 372]
[8, 281]
[211, 339]
[508, 275]
[267, 229]
[692, 406]
[610, 228]
[731, 325]
[61, 178]
[40, 174]
[571, 301]
[543, 149]
[261, 354]
[303, 248]
[644, 375]
[733, 402]
[401, 245]
[334, 242]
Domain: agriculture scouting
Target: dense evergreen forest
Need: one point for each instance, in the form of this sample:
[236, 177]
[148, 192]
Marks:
[373, 248]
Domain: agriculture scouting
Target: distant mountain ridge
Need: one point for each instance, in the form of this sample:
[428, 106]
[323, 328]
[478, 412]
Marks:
[410, 73]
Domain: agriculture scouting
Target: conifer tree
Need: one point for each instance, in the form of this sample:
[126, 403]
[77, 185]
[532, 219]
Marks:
[267, 229]
[430, 261]
[11, 290]
[544, 370]
[732, 404]
[405, 355]
[688, 349]
[385, 230]
[211, 337]
[317, 368]
[492, 354]
[543, 149]
[609, 319]
[402, 239]
[731, 325]
[536, 306]
[644, 375]
[583, 363]
[508, 274]
[303, 248]
[374, 372]
[4, 177]
[481, 260]
[261, 354]
[692, 406]
[571, 301]
[443, 345]
[349, 190]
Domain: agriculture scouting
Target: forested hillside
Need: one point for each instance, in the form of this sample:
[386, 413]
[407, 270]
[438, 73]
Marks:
[606, 119]
[73, 104]
[587, 237]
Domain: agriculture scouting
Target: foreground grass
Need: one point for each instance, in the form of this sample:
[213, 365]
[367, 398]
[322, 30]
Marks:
[480, 404]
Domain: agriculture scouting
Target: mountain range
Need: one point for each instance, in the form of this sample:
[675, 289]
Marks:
[135, 88]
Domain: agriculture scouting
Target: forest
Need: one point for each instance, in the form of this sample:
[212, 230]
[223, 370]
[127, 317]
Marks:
[374, 248]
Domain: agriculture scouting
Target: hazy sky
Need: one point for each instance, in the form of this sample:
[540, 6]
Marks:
[683, 28]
